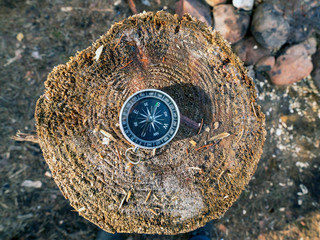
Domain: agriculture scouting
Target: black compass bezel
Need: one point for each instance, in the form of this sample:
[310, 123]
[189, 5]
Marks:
[138, 96]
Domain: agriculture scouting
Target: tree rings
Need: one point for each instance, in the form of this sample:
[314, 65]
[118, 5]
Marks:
[182, 185]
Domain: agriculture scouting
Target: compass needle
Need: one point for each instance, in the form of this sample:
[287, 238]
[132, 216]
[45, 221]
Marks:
[158, 122]
[144, 131]
[143, 115]
[152, 124]
[143, 121]
[155, 109]
[149, 114]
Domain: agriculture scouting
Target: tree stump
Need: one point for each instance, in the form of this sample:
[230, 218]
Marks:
[182, 185]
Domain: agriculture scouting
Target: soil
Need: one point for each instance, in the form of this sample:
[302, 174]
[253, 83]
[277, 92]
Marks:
[282, 199]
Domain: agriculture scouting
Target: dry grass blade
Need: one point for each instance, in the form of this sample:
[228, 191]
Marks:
[122, 201]
[148, 196]
[219, 136]
[128, 196]
[153, 211]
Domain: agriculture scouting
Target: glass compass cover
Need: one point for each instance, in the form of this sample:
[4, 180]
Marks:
[149, 119]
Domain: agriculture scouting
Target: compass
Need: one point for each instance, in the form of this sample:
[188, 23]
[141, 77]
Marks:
[149, 119]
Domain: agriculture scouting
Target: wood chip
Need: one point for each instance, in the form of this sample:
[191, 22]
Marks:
[219, 136]
[81, 209]
[98, 53]
[48, 174]
[195, 168]
[193, 143]
[215, 125]
[105, 141]
[31, 184]
[66, 9]
[108, 135]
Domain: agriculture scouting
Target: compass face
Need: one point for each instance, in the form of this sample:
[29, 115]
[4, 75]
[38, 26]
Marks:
[149, 119]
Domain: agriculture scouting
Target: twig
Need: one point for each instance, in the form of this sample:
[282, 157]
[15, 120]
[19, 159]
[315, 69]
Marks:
[205, 146]
[118, 42]
[132, 6]
[200, 126]
[189, 122]
[126, 64]
[26, 137]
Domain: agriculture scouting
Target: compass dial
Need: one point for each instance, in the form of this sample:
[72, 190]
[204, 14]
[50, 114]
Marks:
[149, 119]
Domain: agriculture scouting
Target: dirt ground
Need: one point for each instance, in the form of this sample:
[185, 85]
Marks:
[281, 201]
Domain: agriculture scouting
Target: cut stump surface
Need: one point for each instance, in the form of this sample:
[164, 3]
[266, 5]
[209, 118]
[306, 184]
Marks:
[188, 182]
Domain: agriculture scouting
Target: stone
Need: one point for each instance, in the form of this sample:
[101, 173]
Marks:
[311, 45]
[31, 184]
[213, 3]
[265, 64]
[250, 51]
[316, 70]
[243, 4]
[231, 24]
[292, 66]
[195, 8]
[269, 27]
[303, 18]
